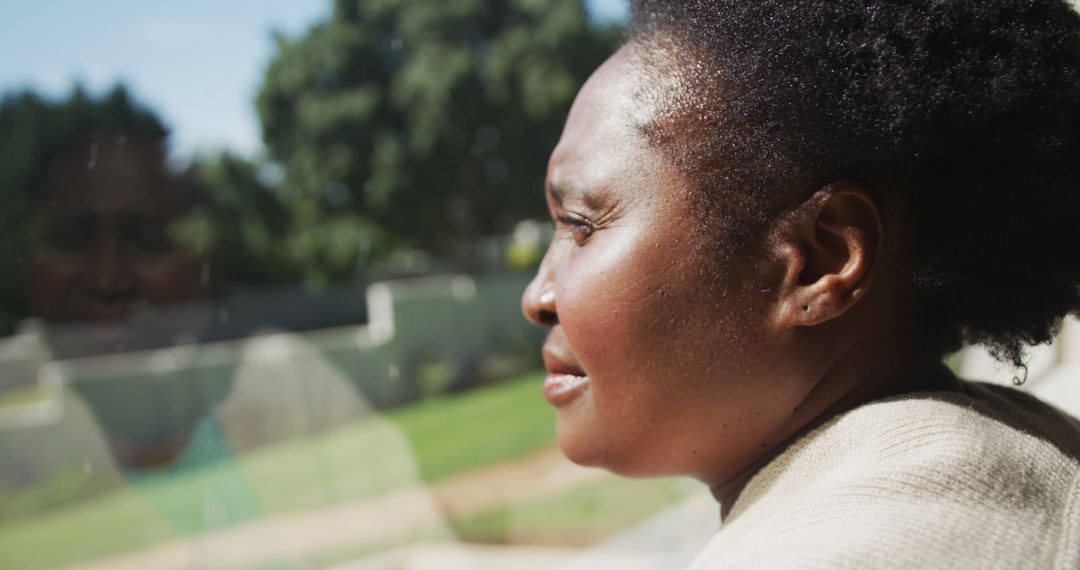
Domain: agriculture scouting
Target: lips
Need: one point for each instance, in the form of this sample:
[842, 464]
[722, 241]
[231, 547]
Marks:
[560, 389]
[566, 380]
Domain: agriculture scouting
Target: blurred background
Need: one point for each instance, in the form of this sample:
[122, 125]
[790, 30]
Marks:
[263, 263]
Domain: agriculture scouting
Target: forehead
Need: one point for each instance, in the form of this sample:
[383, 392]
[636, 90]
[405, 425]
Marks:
[603, 141]
[110, 178]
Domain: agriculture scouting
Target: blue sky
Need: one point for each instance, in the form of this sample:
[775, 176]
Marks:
[196, 62]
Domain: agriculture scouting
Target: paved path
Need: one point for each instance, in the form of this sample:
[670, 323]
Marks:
[667, 540]
[304, 535]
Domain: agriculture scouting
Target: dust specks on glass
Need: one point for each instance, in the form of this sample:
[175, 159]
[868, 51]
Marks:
[264, 268]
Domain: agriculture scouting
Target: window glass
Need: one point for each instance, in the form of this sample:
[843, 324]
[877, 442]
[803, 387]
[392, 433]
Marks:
[263, 266]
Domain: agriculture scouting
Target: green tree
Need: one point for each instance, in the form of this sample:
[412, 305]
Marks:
[420, 123]
[238, 221]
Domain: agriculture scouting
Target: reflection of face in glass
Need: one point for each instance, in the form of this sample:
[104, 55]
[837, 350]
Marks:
[102, 252]
[106, 275]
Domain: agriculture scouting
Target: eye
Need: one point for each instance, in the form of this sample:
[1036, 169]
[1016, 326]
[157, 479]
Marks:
[580, 229]
[69, 235]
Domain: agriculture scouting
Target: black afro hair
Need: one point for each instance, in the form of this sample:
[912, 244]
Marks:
[973, 105]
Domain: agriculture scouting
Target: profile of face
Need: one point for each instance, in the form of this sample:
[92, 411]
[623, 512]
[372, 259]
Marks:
[653, 368]
[102, 250]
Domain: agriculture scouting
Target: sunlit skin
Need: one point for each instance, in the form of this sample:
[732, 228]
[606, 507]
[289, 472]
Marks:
[654, 369]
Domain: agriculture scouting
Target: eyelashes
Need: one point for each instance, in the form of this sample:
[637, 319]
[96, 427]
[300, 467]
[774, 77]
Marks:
[579, 228]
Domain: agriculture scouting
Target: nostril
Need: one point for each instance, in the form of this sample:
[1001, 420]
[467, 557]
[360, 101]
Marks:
[548, 318]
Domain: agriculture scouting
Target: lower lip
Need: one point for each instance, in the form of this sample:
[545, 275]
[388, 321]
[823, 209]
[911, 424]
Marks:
[562, 388]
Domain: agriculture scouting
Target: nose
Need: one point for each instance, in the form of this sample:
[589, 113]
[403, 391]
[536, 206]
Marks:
[538, 301]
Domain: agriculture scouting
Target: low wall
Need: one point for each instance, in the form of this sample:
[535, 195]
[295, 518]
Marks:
[441, 330]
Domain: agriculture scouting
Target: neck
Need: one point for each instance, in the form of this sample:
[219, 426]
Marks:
[842, 387]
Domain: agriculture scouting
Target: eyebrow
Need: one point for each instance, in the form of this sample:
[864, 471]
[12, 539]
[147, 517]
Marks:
[591, 199]
[556, 192]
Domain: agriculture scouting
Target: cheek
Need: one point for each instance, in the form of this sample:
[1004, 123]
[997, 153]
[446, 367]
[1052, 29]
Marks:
[46, 279]
[604, 301]
[635, 322]
[170, 278]
[677, 367]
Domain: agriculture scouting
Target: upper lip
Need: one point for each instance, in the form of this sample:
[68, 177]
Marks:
[557, 361]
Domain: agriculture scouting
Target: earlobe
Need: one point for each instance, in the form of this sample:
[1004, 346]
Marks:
[827, 246]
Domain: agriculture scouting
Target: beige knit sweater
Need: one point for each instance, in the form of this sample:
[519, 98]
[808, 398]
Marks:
[986, 478]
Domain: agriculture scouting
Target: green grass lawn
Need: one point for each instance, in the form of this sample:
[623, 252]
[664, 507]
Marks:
[478, 428]
[22, 395]
[578, 516]
[442, 437]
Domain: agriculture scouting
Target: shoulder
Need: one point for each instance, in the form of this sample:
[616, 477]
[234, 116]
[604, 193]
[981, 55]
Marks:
[983, 478]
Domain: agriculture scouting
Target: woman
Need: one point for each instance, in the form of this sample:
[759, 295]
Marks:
[774, 219]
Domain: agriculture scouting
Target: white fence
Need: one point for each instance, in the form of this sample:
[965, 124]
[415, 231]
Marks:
[267, 387]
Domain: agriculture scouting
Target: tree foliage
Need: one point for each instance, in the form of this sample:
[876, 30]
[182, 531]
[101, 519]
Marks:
[395, 124]
[420, 123]
[238, 221]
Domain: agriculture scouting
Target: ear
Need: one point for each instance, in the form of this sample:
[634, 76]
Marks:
[826, 248]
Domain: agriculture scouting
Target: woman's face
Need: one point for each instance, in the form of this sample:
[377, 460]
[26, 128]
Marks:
[653, 368]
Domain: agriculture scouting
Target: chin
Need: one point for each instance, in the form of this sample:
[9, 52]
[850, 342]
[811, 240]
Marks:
[575, 446]
[586, 451]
